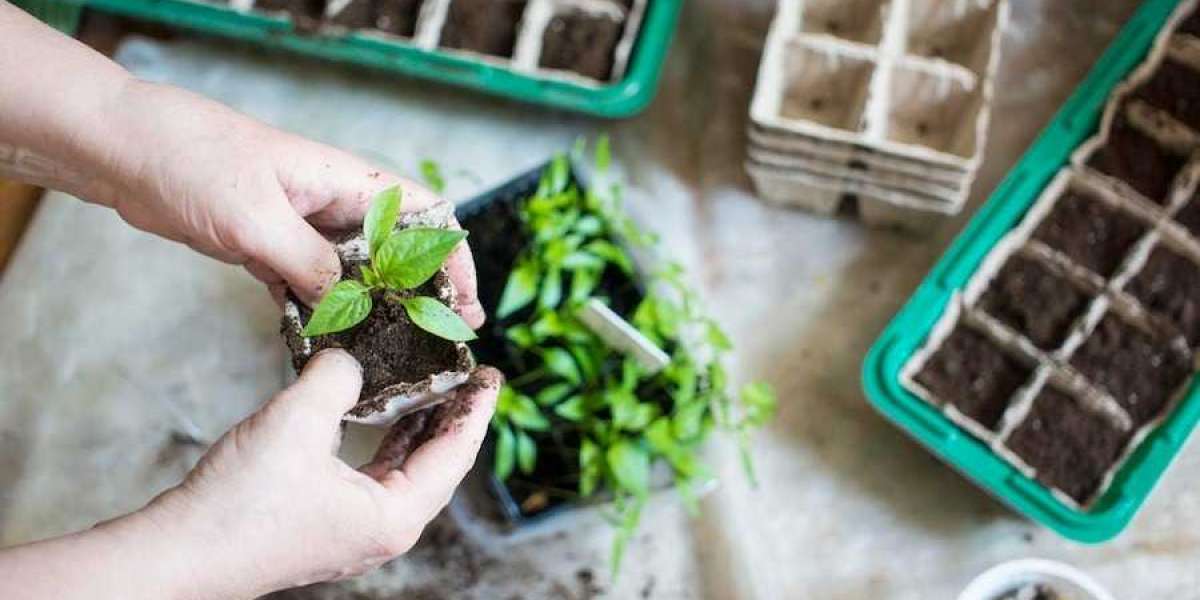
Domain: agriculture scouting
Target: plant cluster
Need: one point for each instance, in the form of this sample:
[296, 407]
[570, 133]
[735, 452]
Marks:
[399, 262]
[575, 387]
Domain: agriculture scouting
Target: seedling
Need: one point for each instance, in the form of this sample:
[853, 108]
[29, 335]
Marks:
[400, 261]
[576, 387]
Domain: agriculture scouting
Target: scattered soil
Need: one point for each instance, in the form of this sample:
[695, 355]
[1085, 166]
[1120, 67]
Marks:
[1139, 370]
[1169, 286]
[1189, 215]
[1071, 448]
[1133, 157]
[484, 26]
[581, 42]
[389, 346]
[1031, 299]
[1174, 88]
[970, 372]
[1090, 232]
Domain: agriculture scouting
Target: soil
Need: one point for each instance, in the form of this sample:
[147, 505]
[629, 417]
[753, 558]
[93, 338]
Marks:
[1028, 297]
[389, 346]
[974, 375]
[1174, 88]
[1093, 234]
[1071, 448]
[1190, 25]
[1169, 286]
[397, 17]
[1133, 157]
[582, 43]
[1189, 215]
[357, 14]
[306, 13]
[1032, 592]
[484, 26]
[1140, 371]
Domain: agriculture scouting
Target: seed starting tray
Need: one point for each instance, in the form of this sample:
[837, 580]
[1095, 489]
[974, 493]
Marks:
[885, 100]
[1050, 355]
[602, 57]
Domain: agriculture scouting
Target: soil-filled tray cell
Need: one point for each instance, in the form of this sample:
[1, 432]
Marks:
[933, 109]
[824, 87]
[1190, 25]
[1092, 233]
[973, 374]
[1189, 215]
[1071, 448]
[958, 31]
[397, 17]
[483, 26]
[304, 12]
[855, 20]
[1033, 300]
[1135, 158]
[1139, 370]
[581, 42]
[1174, 88]
[1168, 285]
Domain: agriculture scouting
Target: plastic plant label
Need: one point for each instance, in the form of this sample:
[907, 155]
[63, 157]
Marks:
[621, 336]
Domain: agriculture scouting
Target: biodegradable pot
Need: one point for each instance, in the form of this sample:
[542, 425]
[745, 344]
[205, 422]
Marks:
[392, 399]
[1008, 580]
[497, 238]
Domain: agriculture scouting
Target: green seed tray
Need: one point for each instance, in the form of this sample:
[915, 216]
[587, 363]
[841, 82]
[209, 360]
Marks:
[1076, 121]
[623, 98]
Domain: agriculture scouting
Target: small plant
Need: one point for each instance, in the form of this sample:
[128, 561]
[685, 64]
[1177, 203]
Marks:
[574, 387]
[400, 261]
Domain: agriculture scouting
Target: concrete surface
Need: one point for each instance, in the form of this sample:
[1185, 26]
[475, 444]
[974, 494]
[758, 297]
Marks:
[104, 371]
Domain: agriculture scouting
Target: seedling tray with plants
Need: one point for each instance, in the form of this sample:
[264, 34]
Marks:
[602, 57]
[885, 101]
[1050, 354]
[583, 420]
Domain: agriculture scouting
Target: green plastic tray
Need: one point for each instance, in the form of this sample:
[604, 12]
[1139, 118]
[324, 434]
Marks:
[1076, 121]
[624, 98]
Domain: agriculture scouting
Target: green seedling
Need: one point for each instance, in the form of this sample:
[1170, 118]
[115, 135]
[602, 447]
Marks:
[575, 387]
[400, 261]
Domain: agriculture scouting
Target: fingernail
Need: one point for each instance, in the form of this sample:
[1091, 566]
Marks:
[340, 355]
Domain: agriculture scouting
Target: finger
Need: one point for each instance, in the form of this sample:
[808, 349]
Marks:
[403, 438]
[286, 244]
[428, 477]
[314, 405]
[263, 273]
[461, 267]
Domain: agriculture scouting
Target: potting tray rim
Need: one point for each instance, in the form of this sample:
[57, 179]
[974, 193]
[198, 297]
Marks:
[1076, 120]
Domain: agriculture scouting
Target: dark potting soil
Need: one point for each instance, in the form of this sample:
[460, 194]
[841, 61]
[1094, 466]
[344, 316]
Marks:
[389, 346]
[1032, 592]
[1189, 215]
[306, 12]
[970, 372]
[1092, 233]
[1140, 371]
[1135, 158]
[484, 26]
[1174, 88]
[583, 43]
[1169, 286]
[397, 17]
[1028, 297]
[357, 14]
[1070, 447]
[1191, 24]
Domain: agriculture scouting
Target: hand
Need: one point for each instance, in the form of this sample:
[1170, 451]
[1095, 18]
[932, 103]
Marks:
[194, 171]
[270, 506]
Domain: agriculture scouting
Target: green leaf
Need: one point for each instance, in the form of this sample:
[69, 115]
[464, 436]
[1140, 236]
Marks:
[759, 403]
[560, 174]
[610, 252]
[574, 409]
[554, 394]
[522, 336]
[589, 225]
[583, 283]
[559, 362]
[689, 420]
[410, 257]
[381, 218]
[505, 458]
[437, 318]
[717, 337]
[588, 364]
[603, 153]
[432, 174]
[370, 278]
[590, 467]
[582, 260]
[525, 414]
[552, 290]
[526, 452]
[520, 290]
[630, 466]
[346, 305]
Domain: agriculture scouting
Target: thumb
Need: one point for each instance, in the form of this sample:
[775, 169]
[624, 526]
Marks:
[297, 252]
[312, 408]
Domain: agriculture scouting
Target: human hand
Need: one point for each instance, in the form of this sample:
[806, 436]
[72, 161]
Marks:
[270, 505]
[196, 172]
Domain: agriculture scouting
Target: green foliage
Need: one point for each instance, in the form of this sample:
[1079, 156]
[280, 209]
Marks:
[399, 261]
[576, 387]
[432, 174]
